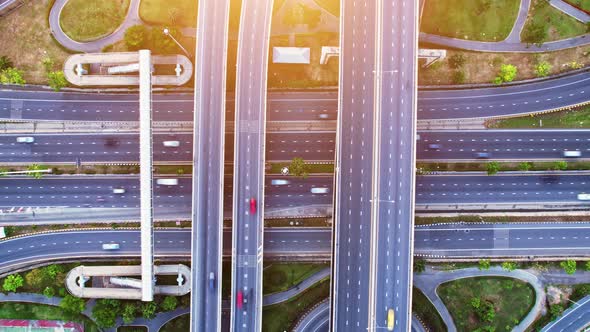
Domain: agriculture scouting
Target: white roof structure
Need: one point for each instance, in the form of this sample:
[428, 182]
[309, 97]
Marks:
[290, 55]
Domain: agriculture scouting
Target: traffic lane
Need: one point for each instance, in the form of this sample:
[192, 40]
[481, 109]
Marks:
[501, 144]
[499, 188]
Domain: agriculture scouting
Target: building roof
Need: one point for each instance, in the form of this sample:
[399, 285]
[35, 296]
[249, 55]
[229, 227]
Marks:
[290, 55]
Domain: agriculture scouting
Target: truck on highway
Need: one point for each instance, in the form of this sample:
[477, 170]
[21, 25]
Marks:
[390, 319]
[584, 197]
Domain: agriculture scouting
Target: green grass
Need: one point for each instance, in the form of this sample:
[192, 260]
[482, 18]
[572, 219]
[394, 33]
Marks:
[512, 300]
[578, 118]
[294, 222]
[557, 24]
[468, 19]
[85, 20]
[280, 277]
[181, 323]
[17, 310]
[312, 168]
[504, 166]
[331, 6]
[182, 13]
[281, 317]
[423, 308]
[583, 4]
[174, 169]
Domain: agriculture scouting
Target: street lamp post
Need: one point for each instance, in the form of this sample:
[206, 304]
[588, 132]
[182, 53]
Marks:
[167, 33]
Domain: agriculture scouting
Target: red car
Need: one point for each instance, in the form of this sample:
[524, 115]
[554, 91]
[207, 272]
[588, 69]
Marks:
[253, 205]
[240, 299]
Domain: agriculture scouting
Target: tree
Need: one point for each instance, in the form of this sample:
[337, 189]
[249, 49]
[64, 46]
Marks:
[475, 302]
[169, 303]
[524, 166]
[560, 165]
[12, 283]
[534, 33]
[161, 43]
[458, 77]
[555, 310]
[419, 265]
[57, 80]
[48, 64]
[73, 304]
[135, 36]
[493, 167]
[12, 76]
[105, 312]
[298, 167]
[129, 311]
[53, 270]
[457, 61]
[507, 74]
[587, 266]
[543, 69]
[36, 167]
[5, 63]
[148, 310]
[484, 264]
[49, 292]
[569, 266]
[509, 266]
[35, 278]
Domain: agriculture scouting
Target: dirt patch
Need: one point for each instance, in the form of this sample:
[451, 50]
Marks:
[27, 40]
[483, 67]
[556, 295]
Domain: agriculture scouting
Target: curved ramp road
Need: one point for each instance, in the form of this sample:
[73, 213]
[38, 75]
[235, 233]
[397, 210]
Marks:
[574, 319]
[432, 104]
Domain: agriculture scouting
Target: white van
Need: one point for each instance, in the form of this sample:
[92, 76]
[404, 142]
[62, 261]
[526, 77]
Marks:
[171, 144]
[118, 190]
[320, 190]
[25, 139]
[584, 197]
[167, 182]
[110, 246]
[572, 154]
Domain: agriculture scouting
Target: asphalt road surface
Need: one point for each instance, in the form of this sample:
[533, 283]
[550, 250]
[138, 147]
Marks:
[574, 319]
[432, 104]
[96, 192]
[208, 160]
[354, 172]
[394, 199]
[249, 165]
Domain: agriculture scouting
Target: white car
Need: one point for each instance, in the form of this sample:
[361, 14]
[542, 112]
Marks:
[572, 154]
[167, 182]
[279, 182]
[110, 246]
[25, 139]
[118, 190]
[320, 190]
[171, 144]
[584, 197]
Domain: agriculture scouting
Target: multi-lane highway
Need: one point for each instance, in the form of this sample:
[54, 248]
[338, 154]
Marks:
[460, 240]
[249, 165]
[94, 194]
[351, 266]
[432, 104]
[285, 145]
[394, 162]
[208, 164]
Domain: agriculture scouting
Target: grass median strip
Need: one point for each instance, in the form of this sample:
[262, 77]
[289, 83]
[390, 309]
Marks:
[575, 118]
[280, 277]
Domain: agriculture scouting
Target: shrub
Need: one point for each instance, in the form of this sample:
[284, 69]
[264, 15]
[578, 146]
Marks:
[507, 73]
[49, 292]
[169, 303]
[57, 80]
[135, 36]
[13, 282]
[569, 266]
[542, 69]
[72, 304]
[484, 264]
[12, 76]
[457, 61]
[509, 266]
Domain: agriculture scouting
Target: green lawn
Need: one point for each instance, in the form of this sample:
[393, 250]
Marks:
[182, 13]
[181, 323]
[85, 20]
[313, 168]
[16, 310]
[470, 19]
[332, 6]
[512, 299]
[583, 4]
[504, 166]
[280, 277]
[281, 317]
[557, 24]
[424, 309]
[578, 118]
